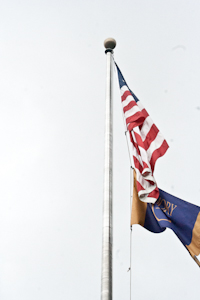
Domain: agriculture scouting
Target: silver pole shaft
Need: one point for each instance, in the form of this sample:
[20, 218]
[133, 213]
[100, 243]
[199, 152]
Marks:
[106, 281]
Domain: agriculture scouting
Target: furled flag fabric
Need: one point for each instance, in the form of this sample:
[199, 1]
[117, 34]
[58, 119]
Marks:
[147, 142]
[169, 212]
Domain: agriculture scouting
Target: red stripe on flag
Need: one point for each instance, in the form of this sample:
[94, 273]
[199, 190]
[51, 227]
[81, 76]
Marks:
[139, 187]
[137, 164]
[139, 140]
[151, 182]
[129, 106]
[141, 168]
[154, 193]
[144, 113]
[150, 137]
[145, 165]
[135, 120]
[158, 153]
[125, 95]
[141, 116]
[134, 144]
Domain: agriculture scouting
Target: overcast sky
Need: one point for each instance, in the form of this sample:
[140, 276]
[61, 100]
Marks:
[52, 105]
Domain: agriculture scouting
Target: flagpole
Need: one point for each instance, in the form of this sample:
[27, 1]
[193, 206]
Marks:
[107, 234]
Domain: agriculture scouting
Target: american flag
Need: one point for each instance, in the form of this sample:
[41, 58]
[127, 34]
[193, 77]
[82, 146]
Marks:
[147, 143]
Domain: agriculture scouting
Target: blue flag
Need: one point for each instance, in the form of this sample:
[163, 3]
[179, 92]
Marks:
[170, 212]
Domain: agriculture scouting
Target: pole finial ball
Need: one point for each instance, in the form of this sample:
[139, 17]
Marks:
[110, 43]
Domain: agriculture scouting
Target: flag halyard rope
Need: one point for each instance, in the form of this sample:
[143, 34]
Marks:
[131, 180]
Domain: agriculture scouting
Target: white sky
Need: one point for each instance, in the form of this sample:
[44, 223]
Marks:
[52, 103]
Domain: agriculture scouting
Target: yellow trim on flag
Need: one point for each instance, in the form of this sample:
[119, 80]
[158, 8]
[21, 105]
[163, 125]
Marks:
[194, 246]
[139, 208]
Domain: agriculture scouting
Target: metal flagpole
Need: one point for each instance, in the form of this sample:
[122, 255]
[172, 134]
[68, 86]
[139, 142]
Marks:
[106, 275]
